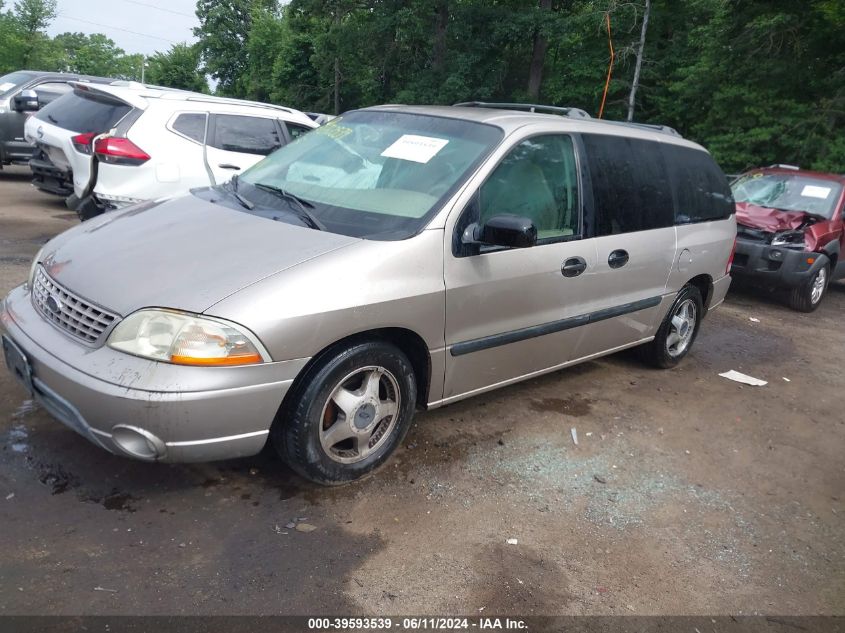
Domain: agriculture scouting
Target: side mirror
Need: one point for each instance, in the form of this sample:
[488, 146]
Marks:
[26, 101]
[512, 231]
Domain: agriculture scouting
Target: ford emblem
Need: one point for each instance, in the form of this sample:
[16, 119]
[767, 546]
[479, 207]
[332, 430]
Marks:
[54, 304]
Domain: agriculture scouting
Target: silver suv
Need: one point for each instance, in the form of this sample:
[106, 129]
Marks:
[396, 258]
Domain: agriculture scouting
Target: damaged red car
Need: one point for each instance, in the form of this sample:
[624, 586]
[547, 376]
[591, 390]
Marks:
[790, 231]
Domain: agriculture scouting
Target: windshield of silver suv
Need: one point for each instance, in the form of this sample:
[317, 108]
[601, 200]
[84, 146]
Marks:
[788, 192]
[372, 174]
[9, 82]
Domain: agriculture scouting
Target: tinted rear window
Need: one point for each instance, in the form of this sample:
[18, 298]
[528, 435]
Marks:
[631, 190]
[701, 188]
[84, 113]
[246, 134]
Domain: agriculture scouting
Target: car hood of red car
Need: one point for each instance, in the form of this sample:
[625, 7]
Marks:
[767, 219]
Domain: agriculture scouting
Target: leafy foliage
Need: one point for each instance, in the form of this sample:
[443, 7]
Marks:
[177, 68]
[754, 81]
[25, 45]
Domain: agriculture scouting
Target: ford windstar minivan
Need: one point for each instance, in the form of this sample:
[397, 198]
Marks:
[396, 258]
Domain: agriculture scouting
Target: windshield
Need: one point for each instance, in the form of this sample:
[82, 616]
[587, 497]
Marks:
[11, 81]
[379, 175]
[788, 192]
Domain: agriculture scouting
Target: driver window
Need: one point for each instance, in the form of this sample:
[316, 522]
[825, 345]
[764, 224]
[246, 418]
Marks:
[538, 179]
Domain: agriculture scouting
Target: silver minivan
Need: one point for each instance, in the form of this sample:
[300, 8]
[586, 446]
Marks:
[396, 258]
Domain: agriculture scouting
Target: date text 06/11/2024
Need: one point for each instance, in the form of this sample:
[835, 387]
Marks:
[415, 624]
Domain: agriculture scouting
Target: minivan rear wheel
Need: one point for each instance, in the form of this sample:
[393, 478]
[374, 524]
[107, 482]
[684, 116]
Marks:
[348, 413]
[678, 331]
[808, 296]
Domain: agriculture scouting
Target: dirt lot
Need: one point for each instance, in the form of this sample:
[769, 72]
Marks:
[687, 494]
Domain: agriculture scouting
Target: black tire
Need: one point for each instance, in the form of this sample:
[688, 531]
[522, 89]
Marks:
[802, 298]
[657, 352]
[306, 416]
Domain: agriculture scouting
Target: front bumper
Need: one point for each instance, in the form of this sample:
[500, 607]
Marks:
[187, 414]
[774, 265]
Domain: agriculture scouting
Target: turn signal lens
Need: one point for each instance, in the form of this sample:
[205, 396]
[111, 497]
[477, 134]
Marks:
[811, 260]
[186, 339]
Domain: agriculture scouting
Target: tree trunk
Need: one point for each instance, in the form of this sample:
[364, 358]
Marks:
[635, 84]
[441, 23]
[538, 57]
[337, 85]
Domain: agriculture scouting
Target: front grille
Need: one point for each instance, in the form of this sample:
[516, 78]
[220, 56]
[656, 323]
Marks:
[79, 318]
[756, 235]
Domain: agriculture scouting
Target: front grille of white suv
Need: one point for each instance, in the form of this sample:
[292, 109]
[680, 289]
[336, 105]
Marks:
[70, 313]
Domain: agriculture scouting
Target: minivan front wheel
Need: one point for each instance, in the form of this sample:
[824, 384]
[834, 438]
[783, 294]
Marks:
[677, 333]
[808, 296]
[348, 413]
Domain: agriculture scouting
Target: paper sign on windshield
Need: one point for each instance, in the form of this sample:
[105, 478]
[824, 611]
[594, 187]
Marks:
[419, 149]
[812, 191]
[5, 86]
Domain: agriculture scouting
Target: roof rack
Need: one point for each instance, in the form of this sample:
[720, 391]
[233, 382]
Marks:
[229, 101]
[665, 129]
[575, 113]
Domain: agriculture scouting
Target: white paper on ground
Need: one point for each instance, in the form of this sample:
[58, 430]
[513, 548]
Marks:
[419, 149]
[746, 380]
[812, 191]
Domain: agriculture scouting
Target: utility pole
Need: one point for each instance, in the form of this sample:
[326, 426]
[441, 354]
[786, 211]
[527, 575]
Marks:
[143, 66]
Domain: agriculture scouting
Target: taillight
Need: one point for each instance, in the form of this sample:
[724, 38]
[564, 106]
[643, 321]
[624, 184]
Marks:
[119, 151]
[731, 259]
[82, 142]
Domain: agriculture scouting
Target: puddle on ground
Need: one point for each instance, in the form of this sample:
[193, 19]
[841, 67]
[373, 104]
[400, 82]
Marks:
[56, 478]
[17, 437]
[117, 500]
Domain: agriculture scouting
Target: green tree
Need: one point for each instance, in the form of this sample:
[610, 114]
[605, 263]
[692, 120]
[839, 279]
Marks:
[223, 33]
[32, 18]
[93, 54]
[177, 68]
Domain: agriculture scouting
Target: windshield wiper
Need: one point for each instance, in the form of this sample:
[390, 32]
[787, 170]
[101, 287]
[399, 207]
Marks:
[304, 213]
[246, 204]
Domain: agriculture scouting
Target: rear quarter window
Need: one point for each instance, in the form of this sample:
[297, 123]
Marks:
[84, 113]
[295, 130]
[191, 124]
[701, 189]
[630, 184]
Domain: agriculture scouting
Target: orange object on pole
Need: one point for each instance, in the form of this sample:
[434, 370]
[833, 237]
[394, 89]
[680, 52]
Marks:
[610, 66]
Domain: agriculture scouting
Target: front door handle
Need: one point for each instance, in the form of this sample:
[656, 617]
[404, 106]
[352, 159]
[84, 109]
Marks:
[228, 166]
[573, 267]
[617, 259]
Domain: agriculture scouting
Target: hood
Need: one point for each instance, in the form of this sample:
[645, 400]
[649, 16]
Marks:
[184, 253]
[771, 220]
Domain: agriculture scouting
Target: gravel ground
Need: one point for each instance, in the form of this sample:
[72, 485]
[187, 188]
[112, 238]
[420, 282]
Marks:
[687, 493]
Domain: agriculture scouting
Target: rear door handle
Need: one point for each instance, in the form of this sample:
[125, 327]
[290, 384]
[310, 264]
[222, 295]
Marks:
[573, 267]
[617, 259]
[228, 166]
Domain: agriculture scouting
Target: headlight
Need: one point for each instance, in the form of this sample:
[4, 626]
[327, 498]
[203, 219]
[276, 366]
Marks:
[32, 268]
[789, 239]
[186, 339]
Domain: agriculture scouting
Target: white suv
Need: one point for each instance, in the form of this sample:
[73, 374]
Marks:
[131, 143]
